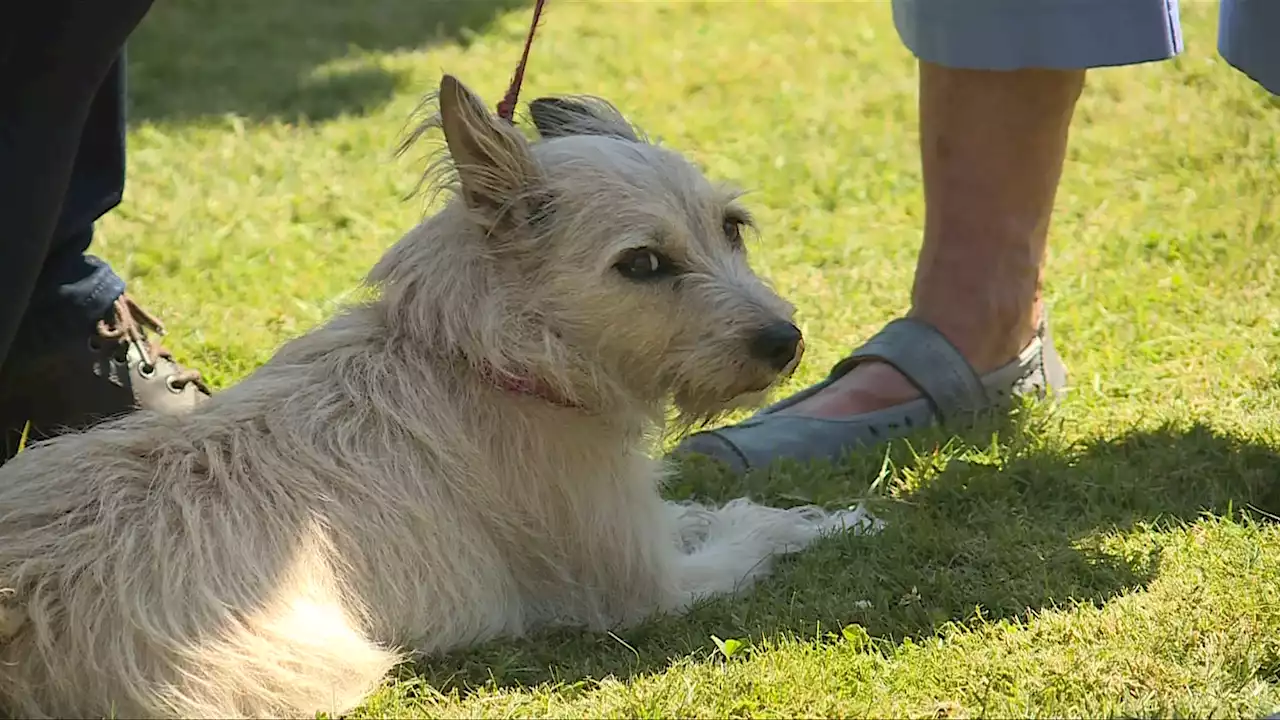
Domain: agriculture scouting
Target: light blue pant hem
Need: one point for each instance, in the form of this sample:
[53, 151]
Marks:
[1054, 34]
[1082, 34]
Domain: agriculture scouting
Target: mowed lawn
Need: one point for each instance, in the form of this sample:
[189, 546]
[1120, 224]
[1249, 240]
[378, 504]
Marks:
[1117, 554]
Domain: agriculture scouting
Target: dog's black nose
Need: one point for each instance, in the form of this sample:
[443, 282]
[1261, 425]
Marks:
[776, 344]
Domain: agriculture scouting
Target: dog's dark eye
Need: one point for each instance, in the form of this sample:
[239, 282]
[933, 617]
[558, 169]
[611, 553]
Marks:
[733, 231]
[642, 264]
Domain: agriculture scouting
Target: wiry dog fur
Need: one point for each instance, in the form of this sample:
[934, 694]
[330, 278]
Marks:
[374, 490]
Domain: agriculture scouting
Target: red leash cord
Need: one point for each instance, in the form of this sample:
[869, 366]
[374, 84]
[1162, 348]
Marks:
[506, 111]
[507, 108]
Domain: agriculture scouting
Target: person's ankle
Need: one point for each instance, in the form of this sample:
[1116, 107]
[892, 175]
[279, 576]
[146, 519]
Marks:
[987, 340]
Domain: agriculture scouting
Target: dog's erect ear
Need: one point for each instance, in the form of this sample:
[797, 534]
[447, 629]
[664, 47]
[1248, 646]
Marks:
[560, 116]
[491, 157]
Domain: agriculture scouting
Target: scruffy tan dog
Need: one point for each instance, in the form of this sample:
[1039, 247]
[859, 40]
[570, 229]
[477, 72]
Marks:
[459, 458]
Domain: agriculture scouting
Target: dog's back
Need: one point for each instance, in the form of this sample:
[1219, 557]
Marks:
[270, 554]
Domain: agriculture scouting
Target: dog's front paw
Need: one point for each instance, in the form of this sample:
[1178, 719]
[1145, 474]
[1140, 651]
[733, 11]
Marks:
[692, 524]
[857, 520]
[812, 522]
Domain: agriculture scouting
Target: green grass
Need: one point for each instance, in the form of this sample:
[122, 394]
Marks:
[1114, 555]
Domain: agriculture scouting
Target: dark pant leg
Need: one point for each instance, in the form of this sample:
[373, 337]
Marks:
[76, 289]
[56, 56]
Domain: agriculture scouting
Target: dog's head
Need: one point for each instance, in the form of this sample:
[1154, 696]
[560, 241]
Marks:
[620, 272]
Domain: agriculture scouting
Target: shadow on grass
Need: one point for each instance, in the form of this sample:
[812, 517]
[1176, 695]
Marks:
[995, 537]
[266, 59]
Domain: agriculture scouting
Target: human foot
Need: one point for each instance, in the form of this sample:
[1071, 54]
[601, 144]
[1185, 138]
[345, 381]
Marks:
[949, 392]
[873, 385]
[111, 370]
[865, 388]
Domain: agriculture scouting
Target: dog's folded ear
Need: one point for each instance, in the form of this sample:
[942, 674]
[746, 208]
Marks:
[561, 116]
[491, 157]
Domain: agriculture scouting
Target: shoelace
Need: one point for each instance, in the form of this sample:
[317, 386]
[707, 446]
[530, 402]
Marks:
[130, 324]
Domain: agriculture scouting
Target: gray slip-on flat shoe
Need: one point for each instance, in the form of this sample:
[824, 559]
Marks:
[952, 392]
